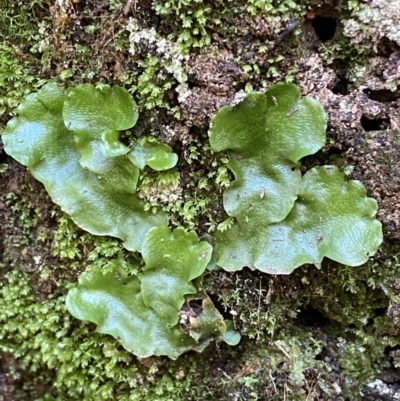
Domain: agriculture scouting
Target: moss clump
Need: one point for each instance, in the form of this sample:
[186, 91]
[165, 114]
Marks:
[16, 78]
[301, 333]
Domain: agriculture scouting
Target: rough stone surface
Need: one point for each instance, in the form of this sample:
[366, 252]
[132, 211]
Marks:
[375, 154]
[373, 21]
[216, 78]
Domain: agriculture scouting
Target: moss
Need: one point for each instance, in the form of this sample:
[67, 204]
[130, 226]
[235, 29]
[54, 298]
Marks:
[20, 52]
[16, 78]
[51, 348]
[342, 309]
[19, 20]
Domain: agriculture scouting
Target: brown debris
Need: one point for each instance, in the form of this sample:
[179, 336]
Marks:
[217, 78]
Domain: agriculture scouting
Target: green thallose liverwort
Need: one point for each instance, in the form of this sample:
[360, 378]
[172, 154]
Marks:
[69, 140]
[148, 151]
[144, 313]
[278, 219]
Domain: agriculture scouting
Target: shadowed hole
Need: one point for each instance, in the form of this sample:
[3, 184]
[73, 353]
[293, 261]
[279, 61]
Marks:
[376, 124]
[380, 311]
[341, 86]
[383, 95]
[311, 317]
[325, 27]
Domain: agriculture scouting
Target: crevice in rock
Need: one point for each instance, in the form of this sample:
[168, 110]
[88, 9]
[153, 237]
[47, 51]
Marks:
[341, 85]
[311, 317]
[375, 124]
[383, 95]
[325, 27]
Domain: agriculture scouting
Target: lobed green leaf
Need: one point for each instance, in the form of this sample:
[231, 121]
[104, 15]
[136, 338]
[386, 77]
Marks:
[266, 135]
[282, 220]
[332, 217]
[93, 184]
[144, 314]
[154, 154]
